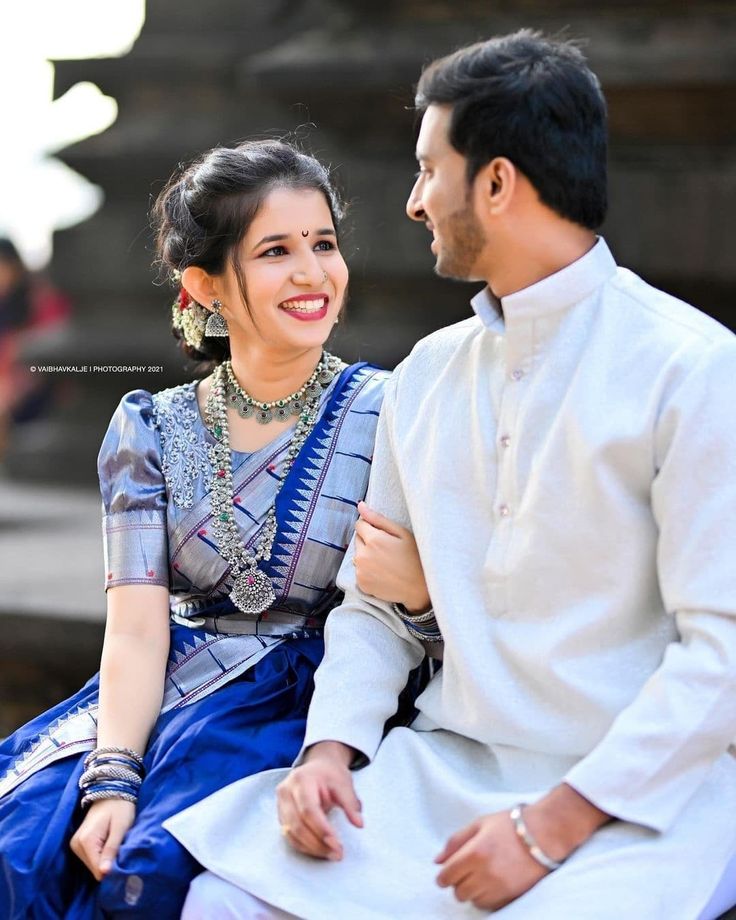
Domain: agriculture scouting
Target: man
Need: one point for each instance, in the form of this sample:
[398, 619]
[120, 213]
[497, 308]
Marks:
[567, 462]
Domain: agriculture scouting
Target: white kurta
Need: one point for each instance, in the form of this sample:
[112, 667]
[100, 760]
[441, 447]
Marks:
[568, 466]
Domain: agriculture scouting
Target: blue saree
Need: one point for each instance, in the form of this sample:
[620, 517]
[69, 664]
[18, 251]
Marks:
[236, 691]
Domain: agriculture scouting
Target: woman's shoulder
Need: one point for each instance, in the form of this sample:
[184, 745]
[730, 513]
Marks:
[366, 383]
[175, 400]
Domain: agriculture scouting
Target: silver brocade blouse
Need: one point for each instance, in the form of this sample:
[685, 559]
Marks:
[155, 476]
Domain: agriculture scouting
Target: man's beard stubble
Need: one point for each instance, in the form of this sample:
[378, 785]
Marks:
[462, 242]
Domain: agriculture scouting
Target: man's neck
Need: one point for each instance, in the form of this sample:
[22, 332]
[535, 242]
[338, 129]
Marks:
[534, 256]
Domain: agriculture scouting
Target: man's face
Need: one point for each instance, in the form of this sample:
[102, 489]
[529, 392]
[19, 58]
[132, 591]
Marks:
[442, 199]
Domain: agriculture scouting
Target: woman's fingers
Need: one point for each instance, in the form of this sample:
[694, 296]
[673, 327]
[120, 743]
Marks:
[380, 521]
[117, 831]
[100, 834]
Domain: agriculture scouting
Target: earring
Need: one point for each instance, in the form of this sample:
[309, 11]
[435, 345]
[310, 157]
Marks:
[216, 323]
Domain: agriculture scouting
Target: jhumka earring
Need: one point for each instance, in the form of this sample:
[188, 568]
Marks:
[216, 323]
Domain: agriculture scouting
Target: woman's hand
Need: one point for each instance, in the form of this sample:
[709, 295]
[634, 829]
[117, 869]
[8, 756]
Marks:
[100, 834]
[387, 563]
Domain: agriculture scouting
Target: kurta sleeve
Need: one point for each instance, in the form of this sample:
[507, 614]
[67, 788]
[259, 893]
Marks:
[368, 651]
[662, 746]
[133, 496]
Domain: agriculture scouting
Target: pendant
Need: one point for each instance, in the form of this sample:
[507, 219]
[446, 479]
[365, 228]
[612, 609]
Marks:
[252, 591]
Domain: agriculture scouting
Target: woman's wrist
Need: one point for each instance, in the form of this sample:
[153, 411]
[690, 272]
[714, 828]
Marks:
[415, 606]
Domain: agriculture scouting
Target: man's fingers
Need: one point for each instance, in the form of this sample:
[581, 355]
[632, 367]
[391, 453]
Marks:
[302, 838]
[380, 521]
[308, 811]
[344, 796]
[469, 888]
[456, 841]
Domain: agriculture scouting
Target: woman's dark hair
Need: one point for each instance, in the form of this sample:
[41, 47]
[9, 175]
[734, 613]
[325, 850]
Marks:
[535, 101]
[206, 208]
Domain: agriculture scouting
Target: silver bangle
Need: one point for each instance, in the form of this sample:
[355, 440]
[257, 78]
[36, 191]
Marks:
[522, 832]
[402, 612]
[102, 795]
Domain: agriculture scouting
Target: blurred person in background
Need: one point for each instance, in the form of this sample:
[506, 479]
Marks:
[29, 306]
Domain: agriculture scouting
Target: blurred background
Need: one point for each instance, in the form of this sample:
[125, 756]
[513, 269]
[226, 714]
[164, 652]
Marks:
[99, 102]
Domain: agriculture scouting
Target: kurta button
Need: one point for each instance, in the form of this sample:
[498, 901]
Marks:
[517, 374]
[504, 510]
[505, 440]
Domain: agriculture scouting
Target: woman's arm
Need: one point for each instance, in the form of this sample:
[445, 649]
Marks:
[132, 676]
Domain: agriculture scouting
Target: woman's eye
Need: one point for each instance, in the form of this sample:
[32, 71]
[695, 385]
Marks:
[325, 245]
[275, 251]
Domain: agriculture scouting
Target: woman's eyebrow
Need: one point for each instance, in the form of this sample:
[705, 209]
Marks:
[279, 237]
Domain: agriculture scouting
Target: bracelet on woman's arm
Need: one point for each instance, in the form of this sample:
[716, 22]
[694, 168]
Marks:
[111, 773]
[422, 626]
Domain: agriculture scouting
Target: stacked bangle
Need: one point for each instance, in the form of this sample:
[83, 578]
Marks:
[522, 832]
[111, 773]
[422, 626]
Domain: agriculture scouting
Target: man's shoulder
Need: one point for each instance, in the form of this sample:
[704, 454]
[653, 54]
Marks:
[439, 345]
[677, 324]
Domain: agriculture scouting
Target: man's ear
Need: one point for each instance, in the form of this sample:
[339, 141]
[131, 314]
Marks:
[496, 182]
[199, 284]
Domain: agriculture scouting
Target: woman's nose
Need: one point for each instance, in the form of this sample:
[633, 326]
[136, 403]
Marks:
[310, 272]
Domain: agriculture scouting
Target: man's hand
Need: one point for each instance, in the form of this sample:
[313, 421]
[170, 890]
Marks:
[387, 563]
[100, 834]
[310, 792]
[487, 864]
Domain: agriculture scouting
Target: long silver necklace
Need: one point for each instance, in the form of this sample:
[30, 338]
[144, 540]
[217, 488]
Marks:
[252, 591]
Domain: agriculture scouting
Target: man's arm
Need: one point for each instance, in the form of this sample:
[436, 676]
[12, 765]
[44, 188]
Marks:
[662, 746]
[368, 657]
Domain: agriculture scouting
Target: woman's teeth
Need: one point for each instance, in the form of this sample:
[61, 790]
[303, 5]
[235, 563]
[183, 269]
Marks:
[304, 306]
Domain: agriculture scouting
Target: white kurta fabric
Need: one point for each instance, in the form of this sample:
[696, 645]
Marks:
[567, 463]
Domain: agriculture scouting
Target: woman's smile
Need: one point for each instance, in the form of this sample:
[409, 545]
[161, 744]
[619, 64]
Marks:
[306, 307]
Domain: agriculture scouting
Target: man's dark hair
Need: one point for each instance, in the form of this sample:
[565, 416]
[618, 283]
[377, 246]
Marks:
[535, 101]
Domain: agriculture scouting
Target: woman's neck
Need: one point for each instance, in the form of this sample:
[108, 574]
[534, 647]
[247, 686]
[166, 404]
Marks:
[267, 375]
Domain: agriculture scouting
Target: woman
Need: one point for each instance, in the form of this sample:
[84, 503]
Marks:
[225, 521]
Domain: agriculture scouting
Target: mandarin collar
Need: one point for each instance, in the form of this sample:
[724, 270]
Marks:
[563, 289]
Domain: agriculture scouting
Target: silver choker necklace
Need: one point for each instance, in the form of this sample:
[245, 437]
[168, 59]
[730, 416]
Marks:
[252, 590]
[280, 409]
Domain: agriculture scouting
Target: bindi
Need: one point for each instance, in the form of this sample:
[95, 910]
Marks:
[305, 232]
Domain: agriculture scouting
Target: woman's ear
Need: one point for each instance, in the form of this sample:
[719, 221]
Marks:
[199, 284]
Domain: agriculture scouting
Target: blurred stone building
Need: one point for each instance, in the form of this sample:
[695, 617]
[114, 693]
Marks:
[340, 76]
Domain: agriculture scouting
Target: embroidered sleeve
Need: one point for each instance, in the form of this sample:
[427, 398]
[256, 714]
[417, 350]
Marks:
[185, 460]
[133, 496]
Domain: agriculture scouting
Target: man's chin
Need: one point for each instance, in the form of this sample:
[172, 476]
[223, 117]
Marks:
[454, 272]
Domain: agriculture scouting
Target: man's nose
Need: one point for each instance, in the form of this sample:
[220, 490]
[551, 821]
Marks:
[414, 206]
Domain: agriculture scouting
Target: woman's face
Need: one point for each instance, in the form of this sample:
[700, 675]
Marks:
[295, 277]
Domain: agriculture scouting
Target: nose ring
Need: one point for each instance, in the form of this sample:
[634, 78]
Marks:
[324, 276]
